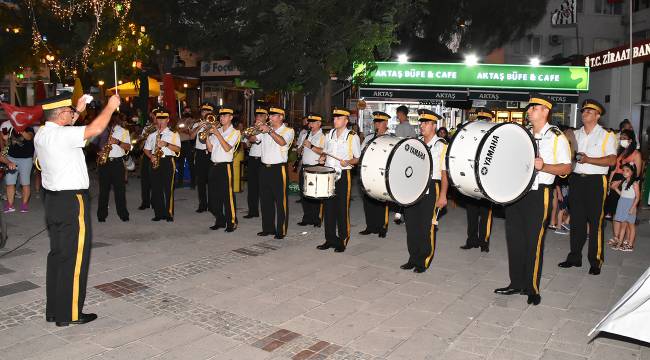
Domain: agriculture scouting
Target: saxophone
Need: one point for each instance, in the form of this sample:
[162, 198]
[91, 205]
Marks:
[102, 156]
[157, 153]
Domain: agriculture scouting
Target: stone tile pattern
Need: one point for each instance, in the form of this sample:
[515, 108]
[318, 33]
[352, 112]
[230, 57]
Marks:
[120, 288]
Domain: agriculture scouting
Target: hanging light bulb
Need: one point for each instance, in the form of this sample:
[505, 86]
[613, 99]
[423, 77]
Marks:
[119, 47]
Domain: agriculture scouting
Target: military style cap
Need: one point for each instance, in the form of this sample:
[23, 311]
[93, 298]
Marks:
[312, 117]
[276, 110]
[428, 115]
[539, 99]
[207, 107]
[484, 114]
[380, 116]
[161, 113]
[593, 104]
[340, 112]
[260, 110]
[226, 110]
[62, 100]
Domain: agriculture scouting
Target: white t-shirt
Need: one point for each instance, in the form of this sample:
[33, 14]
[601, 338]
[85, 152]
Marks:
[61, 157]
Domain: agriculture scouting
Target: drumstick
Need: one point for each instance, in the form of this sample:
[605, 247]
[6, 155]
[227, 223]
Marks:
[332, 156]
[435, 218]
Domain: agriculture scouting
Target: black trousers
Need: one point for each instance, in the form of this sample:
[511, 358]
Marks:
[187, 153]
[337, 212]
[588, 195]
[67, 215]
[222, 197]
[420, 231]
[202, 171]
[162, 188]
[376, 213]
[479, 221]
[526, 222]
[312, 209]
[274, 201]
[111, 174]
[253, 178]
[145, 181]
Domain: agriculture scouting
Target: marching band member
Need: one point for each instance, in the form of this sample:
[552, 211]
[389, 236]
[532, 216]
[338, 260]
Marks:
[527, 218]
[222, 144]
[312, 147]
[161, 147]
[420, 230]
[376, 211]
[588, 187]
[201, 159]
[145, 164]
[112, 172]
[276, 142]
[67, 204]
[403, 130]
[253, 166]
[184, 127]
[479, 211]
[343, 144]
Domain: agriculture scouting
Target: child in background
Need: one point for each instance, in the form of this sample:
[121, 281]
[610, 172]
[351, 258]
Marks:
[625, 217]
[563, 217]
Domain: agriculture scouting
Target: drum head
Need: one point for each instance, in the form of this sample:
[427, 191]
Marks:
[320, 169]
[506, 163]
[408, 171]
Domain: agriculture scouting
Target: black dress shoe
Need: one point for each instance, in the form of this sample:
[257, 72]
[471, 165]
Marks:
[419, 270]
[250, 216]
[568, 264]
[317, 225]
[201, 210]
[278, 237]
[304, 223]
[467, 247]
[594, 270]
[323, 246]
[142, 207]
[507, 291]
[339, 249]
[125, 219]
[102, 220]
[485, 248]
[407, 266]
[534, 299]
[382, 233]
[398, 221]
[217, 226]
[157, 218]
[83, 318]
[365, 232]
[170, 219]
[264, 233]
[231, 228]
[50, 318]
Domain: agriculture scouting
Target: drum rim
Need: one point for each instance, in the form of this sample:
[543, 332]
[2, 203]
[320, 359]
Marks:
[329, 167]
[387, 171]
[363, 152]
[451, 143]
[476, 164]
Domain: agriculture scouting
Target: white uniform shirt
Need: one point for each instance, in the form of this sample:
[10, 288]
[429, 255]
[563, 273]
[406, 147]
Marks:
[272, 153]
[255, 149]
[309, 157]
[598, 143]
[553, 149]
[123, 136]
[232, 137]
[168, 136]
[198, 144]
[345, 147]
[438, 148]
[61, 157]
[372, 136]
[302, 135]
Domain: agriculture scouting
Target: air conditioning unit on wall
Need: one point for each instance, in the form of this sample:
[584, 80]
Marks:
[555, 40]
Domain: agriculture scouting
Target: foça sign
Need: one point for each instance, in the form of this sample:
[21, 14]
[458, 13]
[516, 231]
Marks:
[219, 68]
[619, 56]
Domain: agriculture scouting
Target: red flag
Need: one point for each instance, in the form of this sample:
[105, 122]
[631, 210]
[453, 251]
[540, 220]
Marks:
[169, 98]
[23, 117]
[39, 91]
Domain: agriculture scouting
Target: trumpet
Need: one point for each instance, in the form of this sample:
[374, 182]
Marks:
[209, 122]
[255, 130]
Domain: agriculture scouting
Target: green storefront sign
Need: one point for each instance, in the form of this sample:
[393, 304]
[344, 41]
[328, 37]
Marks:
[499, 76]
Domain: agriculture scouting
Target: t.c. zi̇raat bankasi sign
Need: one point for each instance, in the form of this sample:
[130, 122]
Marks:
[573, 78]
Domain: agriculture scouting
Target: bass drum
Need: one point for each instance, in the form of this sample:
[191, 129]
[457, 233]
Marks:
[492, 161]
[396, 169]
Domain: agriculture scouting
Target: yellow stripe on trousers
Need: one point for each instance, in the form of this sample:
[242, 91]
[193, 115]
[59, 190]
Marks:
[171, 192]
[386, 218]
[432, 235]
[347, 210]
[284, 200]
[539, 243]
[81, 238]
[230, 194]
[489, 226]
[599, 239]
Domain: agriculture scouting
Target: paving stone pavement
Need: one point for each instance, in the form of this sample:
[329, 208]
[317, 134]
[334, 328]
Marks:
[182, 291]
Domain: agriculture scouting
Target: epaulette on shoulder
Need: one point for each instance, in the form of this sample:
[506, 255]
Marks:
[555, 130]
[351, 133]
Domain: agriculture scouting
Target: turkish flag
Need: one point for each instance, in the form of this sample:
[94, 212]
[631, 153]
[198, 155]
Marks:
[23, 117]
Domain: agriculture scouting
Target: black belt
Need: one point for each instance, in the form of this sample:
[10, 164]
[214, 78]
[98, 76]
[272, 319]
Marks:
[222, 162]
[64, 192]
[589, 175]
[115, 158]
[273, 165]
[254, 157]
[545, 186]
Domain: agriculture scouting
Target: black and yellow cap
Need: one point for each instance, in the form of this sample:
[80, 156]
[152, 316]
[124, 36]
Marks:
[276, 110]
[312, 117]
[161, 113]
[428, 115]
[62, 100]
[340, 112]
[207, 107]
[260, 110]
[484, 114]
[539, 99]
[380, 116]
[593, 104]
[226, 110]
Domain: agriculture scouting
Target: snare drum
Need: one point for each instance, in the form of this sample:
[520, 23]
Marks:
[318, 182]
[492, 161]
[396, 169]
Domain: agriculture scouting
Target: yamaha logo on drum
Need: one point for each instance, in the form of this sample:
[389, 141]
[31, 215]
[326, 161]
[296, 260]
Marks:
[414, 151]
[490, 153]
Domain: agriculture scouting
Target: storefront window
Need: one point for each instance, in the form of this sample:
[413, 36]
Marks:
[605, 7]
[561, 115]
